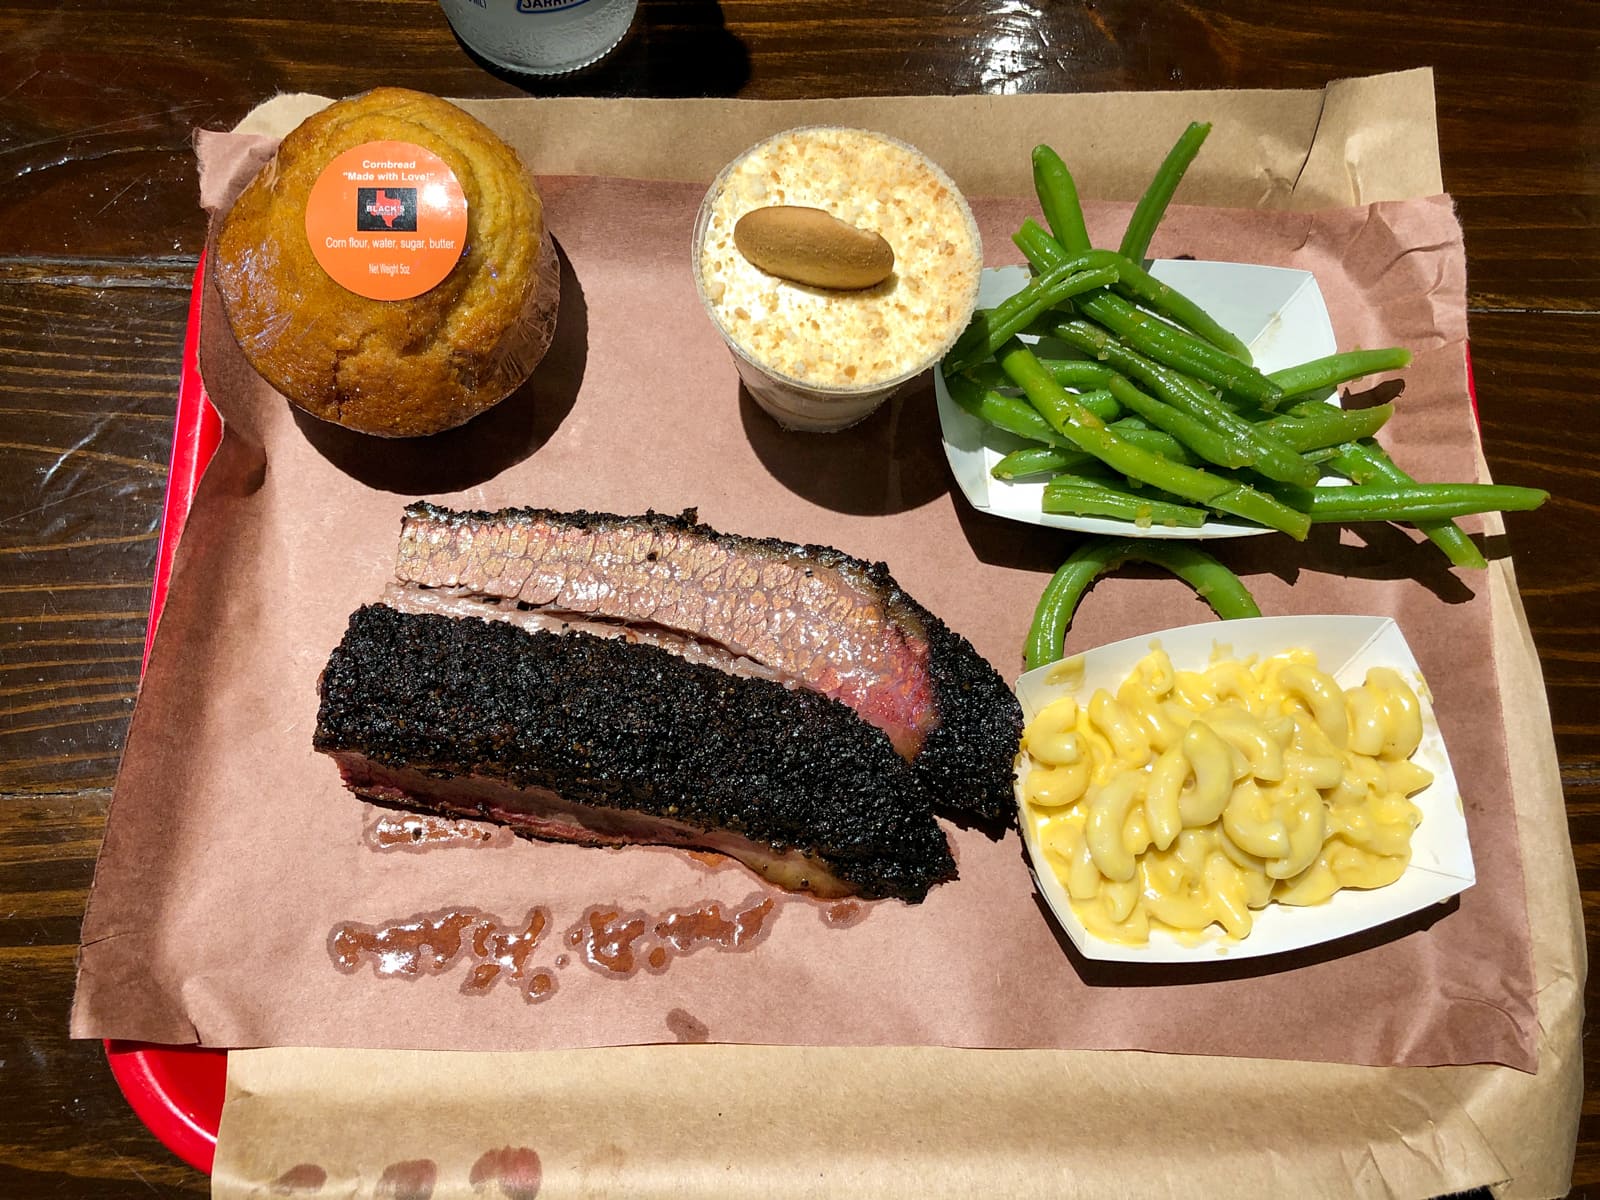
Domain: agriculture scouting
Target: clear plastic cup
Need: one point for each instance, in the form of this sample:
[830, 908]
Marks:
[804, 171]
[541, 37]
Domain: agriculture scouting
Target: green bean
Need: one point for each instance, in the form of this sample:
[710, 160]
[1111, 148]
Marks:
[1015, 415]
[1080, 496]
[1322, 373]
[1313, 425]
[1073, 285]
[1041, 250]
[1088, 433]
[1152, 205]
[1018, 417]
[1135, 431]
[1163, 342]
[1318, 441]
[1101, 403]
[1218, 586]
[1009, 413]
[1068, 372]
[1138, 284]
[990, 327]
[1208, 442]
[1038, 460]
[1071, 372]
[1041, 302]
[1365, 461]
[1227, 439]
[1179, 349]
[1177, 369]
[1415, 502]
[1229, 444]
[1058, 197]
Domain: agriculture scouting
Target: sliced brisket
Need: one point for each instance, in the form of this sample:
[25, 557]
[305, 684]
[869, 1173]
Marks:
[810, 616]
[594, 740]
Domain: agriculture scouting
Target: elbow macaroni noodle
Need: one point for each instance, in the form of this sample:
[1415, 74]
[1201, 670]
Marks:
[1191, 798]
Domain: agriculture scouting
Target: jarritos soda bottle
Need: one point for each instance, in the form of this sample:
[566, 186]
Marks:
[541, 37]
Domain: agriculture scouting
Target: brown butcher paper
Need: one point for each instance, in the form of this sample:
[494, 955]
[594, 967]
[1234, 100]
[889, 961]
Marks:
[232, 853]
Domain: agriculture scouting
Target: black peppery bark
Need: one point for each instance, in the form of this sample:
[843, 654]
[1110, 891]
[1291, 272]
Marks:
[612, 725]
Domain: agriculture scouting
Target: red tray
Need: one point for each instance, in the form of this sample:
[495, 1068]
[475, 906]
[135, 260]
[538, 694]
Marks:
[177, 1090]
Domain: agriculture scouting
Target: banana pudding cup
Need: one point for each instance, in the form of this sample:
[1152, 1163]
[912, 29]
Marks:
[821, 357]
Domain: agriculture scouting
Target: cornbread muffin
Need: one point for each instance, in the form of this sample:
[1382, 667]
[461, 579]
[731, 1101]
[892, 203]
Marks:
[419, 363]
[831, 355]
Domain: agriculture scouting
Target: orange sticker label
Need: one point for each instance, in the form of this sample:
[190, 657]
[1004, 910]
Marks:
[387, 220]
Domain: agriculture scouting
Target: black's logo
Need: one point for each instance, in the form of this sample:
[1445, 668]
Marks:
[387, 208]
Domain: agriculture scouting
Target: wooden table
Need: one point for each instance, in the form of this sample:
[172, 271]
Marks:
[99, 230]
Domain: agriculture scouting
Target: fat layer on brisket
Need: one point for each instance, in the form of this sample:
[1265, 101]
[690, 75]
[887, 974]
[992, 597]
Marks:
[807, 615]
[579, 738]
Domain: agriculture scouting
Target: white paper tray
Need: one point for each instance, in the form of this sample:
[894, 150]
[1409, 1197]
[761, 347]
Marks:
[1345, 646]
[1279, 313]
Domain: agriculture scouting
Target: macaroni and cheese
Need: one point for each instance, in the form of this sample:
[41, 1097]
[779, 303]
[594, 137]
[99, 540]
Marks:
[1191, 798]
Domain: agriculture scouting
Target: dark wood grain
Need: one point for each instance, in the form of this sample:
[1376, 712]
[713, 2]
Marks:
[97, 157]
[1537, 408]
[99, 229]
[67, 1130]
[86, 412]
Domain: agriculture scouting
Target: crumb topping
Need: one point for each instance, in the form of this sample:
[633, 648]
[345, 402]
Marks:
[845, 339]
